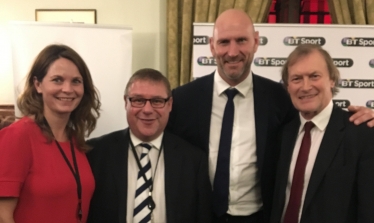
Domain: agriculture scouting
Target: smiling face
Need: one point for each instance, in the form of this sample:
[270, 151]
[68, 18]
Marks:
[61, 88]
[233, 45]
[147, 123]
[309, 84]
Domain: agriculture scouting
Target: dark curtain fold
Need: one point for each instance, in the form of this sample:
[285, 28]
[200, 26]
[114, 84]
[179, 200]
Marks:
[352, 11]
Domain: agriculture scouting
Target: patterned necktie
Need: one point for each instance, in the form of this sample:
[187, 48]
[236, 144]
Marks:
[142, 214]
[294, 203]
[222, 175]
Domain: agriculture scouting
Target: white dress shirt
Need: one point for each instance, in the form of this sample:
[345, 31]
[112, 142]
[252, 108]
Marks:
[158, 176]
[244, 191]
[320, 121]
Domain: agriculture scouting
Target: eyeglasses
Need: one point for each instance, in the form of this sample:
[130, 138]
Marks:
[155, 102]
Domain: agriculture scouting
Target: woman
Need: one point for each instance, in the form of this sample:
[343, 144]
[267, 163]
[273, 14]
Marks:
[44, 173]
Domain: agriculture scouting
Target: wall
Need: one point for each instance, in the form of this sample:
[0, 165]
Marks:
[146, 17]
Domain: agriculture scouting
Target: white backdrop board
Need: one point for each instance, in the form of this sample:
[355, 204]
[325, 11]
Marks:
[351, 47]
[107, 51]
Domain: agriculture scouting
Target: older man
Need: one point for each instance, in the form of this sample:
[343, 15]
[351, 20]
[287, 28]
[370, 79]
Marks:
[144, 174]
[236, 116]
[326, 164]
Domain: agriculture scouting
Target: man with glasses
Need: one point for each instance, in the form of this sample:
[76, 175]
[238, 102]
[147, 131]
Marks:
[143, 173]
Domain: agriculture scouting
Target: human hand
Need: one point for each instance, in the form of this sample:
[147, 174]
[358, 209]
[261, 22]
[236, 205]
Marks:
[361, 114]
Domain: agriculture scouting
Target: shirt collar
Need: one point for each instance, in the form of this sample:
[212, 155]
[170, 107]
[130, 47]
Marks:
[320, 120]
[243, 87]
[156, 143]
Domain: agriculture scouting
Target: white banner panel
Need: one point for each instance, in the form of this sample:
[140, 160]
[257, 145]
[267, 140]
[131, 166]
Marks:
[351, 47]
[6, 77]
[107, 51]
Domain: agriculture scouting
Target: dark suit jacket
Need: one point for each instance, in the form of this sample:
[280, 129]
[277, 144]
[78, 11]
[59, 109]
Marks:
[191, 115]
[341, 187]
[187, 186]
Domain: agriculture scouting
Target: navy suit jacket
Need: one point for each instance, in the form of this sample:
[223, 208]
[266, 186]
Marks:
[341, 187]
[187, 186]
[191, 114]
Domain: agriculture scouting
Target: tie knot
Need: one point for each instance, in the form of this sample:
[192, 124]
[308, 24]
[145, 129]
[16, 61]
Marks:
[308, 126]
[146, 146]
[231, 92]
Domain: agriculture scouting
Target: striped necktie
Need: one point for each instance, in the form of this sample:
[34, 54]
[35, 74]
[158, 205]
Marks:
[142, 214]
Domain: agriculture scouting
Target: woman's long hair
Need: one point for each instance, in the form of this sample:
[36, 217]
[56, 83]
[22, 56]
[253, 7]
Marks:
[82, 120]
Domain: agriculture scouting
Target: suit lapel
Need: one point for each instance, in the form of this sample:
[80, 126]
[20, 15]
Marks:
[205, 110]
[289, 137]
[261, 100]
[326, 153]
[172, 174]
[120, 157]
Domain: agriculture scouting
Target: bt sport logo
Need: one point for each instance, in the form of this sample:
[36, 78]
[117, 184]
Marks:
[358, 42]
[270, 61]
[371, 63]
[370, 104]
[356, 83]
[206, 61]
[200, 40]
[342, 103]
[263, 40]
[343, 62]
[295, 40]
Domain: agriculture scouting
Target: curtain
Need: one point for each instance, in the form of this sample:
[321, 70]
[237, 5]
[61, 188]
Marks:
[352, 11]
[183, 13]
